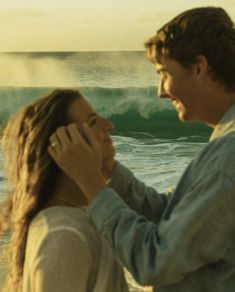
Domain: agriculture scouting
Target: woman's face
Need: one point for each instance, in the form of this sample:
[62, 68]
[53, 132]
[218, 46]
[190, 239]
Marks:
[80, 111]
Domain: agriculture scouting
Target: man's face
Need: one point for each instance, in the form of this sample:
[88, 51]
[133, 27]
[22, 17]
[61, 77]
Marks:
[180, 86]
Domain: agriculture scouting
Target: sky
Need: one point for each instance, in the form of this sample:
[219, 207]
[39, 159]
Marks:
[88, 25]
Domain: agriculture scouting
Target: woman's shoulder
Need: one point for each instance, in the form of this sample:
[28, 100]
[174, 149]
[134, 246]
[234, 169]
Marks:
[63, 220]
[59, 236]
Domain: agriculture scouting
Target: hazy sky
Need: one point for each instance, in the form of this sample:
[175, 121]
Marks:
[87, 25]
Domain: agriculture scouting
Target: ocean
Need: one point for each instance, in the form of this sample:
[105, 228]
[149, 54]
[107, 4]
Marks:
[122, 86]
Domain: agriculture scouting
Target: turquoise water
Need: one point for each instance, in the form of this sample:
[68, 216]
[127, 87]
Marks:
[148, 136]
[158, 162]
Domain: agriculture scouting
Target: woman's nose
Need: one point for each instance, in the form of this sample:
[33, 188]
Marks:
[107, 124]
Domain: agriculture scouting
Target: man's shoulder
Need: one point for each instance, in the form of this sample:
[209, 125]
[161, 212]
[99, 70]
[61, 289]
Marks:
[223, 145]
[218, 154]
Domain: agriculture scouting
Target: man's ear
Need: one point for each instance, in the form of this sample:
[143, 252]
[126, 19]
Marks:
[201, 66]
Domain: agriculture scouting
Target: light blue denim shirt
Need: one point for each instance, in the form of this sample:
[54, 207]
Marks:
[183, 243]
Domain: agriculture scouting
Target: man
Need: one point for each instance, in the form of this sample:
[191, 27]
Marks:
[185, 242]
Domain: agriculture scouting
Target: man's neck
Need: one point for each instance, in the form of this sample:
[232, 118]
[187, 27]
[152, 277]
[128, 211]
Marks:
[216, 106]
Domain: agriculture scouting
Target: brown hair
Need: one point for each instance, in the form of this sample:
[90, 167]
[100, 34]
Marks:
[30, 170]
[207, 31]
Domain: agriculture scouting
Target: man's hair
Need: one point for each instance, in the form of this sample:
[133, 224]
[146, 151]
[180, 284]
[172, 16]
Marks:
[207, 31]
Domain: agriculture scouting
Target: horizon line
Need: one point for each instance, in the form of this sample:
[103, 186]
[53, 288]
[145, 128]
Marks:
[72, 51]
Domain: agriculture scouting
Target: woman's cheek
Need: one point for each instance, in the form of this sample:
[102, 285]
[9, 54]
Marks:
[97, 135]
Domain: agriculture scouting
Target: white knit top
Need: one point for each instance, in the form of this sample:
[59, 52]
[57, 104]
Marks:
[65, 253]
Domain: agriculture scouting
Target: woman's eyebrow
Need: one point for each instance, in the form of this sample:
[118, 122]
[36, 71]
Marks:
[91, 115]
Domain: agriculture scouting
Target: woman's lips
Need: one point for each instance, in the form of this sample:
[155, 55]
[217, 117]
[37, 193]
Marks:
[108, 141]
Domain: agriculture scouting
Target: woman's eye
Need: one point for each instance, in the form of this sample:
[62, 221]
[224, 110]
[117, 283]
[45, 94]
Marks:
[93, 122]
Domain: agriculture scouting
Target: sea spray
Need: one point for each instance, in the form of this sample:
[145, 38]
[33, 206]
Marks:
[82, 69]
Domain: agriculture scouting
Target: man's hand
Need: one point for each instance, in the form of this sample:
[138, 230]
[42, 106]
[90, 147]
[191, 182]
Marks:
[79, 156]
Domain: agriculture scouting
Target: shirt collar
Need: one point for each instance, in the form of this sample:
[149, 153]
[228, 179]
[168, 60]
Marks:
[226, 124]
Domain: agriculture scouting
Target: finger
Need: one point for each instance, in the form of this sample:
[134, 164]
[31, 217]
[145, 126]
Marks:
[90, 136]
[52, 152]
[75, 135]
[54, 141]
[63, 136]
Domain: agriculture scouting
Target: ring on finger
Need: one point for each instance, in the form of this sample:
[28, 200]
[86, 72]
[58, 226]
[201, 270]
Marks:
[54, 144]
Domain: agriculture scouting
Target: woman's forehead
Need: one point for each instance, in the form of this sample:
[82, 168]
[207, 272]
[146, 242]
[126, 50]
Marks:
[80, 110]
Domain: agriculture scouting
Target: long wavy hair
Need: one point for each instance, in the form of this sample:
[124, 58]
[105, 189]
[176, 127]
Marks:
[30, 171]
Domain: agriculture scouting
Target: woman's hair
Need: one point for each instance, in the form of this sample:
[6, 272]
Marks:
[207, 31]
[31, 172]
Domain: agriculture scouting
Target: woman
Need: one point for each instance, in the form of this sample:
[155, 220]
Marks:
[53, 246]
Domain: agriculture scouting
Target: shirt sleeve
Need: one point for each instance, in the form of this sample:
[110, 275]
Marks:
[195, 234]
[63, 263]
[141, 198]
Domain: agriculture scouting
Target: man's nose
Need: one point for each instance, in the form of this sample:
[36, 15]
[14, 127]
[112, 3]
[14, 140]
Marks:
[161, 92]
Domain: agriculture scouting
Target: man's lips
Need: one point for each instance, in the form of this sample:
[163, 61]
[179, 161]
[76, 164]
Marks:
[175, 102]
